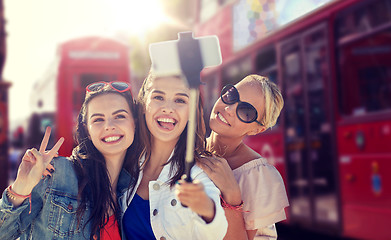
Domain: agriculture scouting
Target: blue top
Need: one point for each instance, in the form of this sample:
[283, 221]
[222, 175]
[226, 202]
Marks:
[136, 220]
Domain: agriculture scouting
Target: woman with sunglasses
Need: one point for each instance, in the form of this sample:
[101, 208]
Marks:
[154, 205]
[79, 199]
[253, 192]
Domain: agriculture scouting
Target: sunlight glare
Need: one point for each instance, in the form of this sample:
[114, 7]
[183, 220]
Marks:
[137, 17]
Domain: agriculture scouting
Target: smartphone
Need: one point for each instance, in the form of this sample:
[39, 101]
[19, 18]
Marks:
[166, 56]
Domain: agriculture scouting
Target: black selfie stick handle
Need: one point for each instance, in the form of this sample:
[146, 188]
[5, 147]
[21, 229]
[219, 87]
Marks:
[191, 64]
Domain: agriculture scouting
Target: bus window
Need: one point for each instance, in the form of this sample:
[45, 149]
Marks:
[319, 132]
[236, 71]
[364, 19]
[266, 65]
[365, 75]
[294, 131]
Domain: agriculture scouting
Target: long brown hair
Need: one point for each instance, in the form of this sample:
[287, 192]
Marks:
[178, 159]
[95, 190]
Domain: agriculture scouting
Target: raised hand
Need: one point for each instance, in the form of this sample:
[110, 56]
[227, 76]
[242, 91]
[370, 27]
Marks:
[33, 165]
[194, 196]
[221, 174]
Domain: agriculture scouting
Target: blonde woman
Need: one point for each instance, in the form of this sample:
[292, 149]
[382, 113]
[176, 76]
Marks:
[253, 192]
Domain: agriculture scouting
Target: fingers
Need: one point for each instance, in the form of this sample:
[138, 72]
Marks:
[46, 173]
[34, 153]
[29, 157]
[55, 155]
[193, 195]
[206, 165]
[45, 140]
[54, 150]
[50, 168]
[187, 190]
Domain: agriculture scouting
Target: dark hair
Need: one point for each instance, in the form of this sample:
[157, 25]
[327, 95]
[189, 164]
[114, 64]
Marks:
[94, 185]
[145, 147]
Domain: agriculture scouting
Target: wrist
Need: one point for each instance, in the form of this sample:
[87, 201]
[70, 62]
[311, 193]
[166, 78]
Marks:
[226, 206]
[20, 188]
[232, 197]
[17, 199]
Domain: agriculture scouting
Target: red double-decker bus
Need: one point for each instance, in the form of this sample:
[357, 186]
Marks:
[57, 97]
[332, 144]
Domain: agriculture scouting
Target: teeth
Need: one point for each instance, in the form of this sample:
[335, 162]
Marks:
[222, 118]
[111, 139]
[167, 120]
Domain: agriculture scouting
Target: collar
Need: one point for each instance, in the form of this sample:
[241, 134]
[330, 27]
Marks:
[123, 181]
[164, 175]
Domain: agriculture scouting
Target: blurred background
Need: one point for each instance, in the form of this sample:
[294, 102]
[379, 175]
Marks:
[331, 59]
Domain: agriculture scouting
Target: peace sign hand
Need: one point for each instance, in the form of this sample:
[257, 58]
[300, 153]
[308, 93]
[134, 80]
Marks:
[34, 164]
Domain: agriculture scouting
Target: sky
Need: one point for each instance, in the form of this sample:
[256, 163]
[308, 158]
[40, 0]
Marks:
[35, 29]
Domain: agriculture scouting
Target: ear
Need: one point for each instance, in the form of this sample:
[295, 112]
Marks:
[257, 130]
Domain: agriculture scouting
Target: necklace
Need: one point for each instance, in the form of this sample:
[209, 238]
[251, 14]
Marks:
[236, 149]
[222, 150]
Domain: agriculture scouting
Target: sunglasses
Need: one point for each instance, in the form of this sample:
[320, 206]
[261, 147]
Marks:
[117, 86]
[245, 111]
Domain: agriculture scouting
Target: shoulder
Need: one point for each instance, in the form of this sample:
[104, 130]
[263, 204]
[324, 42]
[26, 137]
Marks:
[198, 174]
[258, 177]
[61, 162]
[263, 193]
[196, 171]
[64, 178]
[257, 167]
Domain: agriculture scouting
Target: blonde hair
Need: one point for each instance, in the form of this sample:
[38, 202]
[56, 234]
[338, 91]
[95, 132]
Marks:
[274, 101]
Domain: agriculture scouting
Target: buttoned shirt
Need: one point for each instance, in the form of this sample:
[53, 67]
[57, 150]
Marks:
[170, 220]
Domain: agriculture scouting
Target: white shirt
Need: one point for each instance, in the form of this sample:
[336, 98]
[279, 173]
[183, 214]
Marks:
[170, 220]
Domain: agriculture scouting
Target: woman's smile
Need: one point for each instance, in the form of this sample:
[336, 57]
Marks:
[166, 123]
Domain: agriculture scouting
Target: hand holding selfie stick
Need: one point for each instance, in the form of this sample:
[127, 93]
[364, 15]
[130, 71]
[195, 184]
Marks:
[186, 56]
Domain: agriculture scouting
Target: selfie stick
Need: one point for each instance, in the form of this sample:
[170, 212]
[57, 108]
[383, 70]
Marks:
[193, 54]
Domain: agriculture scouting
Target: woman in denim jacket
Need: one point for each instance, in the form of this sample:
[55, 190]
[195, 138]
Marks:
[78, 200]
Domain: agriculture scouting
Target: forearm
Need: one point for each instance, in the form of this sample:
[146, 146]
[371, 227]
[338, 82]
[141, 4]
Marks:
[10, 218]
[236, 226]
[17, 193]
[216, 229]
[209, 215]
[15, 220]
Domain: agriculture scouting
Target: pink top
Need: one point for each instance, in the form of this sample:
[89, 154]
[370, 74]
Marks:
[263, 193]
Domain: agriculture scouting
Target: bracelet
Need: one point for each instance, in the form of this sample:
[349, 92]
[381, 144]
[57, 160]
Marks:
[12, 195]
[225, 205]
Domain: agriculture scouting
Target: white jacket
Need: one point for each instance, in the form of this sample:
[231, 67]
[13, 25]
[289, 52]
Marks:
[170, 220]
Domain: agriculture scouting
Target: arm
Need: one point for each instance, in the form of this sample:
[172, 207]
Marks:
[32, 167]
[221, 174]
[217, 227]
[194, 196]
[236, 226]
[15, 215]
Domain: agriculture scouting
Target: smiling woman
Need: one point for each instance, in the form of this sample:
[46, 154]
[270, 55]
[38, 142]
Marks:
[80, 197]
[137, 17]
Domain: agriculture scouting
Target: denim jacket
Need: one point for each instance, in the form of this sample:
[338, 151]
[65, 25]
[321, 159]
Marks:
[53, 208]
